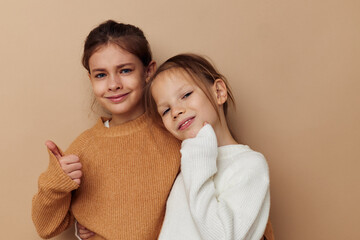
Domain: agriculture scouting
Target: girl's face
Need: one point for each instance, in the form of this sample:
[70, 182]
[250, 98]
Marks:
[182, 105]
[118, 79]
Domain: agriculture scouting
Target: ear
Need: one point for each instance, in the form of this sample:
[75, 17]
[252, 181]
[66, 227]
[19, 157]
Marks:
[220, 91]
[150, 70]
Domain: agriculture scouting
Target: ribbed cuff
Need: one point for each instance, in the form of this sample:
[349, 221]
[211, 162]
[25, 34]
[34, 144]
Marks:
[55, 179]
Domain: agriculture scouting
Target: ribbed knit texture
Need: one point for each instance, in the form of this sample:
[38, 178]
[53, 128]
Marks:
[221, 193]
[128, 172]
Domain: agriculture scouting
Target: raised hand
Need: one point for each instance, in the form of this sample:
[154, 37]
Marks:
[70, 164]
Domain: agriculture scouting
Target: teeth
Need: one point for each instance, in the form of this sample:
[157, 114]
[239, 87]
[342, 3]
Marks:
[185, 122]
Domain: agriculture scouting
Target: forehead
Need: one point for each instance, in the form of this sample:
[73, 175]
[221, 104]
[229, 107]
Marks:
[169, 83]
[111, 54]
[175, 77]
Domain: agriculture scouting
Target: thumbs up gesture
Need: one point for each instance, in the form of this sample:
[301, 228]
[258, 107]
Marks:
[70, 164]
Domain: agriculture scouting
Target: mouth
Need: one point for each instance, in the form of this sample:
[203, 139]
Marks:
[117, 98]
[186, 123]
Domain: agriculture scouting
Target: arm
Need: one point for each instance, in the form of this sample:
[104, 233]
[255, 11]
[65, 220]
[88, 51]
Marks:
[51, 205]
[238, 206]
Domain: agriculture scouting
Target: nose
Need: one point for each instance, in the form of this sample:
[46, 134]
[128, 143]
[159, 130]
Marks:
[114, 83]
[176, 112]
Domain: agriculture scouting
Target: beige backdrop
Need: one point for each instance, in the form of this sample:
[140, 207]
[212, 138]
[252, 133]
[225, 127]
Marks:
[294, 67]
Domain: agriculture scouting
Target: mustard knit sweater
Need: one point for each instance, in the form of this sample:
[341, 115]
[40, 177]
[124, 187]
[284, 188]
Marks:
[128, 172]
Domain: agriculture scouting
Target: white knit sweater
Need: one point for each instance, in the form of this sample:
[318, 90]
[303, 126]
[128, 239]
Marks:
[221, 192]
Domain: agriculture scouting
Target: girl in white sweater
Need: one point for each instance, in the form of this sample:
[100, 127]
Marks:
[222, 191]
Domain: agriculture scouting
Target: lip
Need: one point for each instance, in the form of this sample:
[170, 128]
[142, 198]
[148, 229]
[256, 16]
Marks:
[186, 123]
[117, 98]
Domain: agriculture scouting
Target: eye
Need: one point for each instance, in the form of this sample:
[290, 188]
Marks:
[126, 70]
[165, 112]
[100, 75]
[187, 95]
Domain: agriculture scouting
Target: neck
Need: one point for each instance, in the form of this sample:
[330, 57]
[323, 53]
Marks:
[224, 138]
[118, 119]
[223, 133]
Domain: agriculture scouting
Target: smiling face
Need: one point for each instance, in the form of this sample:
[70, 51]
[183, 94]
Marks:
[118, 79]
[182, 104]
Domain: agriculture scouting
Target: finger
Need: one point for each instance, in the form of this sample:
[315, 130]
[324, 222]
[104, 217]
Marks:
[84, 231]
[75, 174]
[69, 159]
[79, 226]
[85, 234]
[70, 167]
[53, 148]
[77, 180]
[70, 163]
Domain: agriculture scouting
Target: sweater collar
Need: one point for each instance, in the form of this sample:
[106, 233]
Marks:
[228, 151]
[127, 128]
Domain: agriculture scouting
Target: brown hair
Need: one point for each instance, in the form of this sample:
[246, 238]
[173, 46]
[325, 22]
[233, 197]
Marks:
[202, 72]
[126, 36]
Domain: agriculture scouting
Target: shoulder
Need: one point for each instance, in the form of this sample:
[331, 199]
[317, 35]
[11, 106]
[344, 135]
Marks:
[242, 159]
[81, 141]
[161, 135]
[242, 168]
[252, 158]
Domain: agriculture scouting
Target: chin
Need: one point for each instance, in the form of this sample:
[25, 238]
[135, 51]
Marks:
[179, 137]
[191, 135]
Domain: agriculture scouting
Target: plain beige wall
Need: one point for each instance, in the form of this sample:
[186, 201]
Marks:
[294, 67]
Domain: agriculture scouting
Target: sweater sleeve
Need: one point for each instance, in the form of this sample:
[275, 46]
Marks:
[236, 208]
[51, 204]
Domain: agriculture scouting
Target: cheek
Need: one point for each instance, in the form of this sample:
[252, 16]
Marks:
[166, 124]
[98, 88]
[169, 126]
[211, 114]
[208, 113]
[138, 79]
[136, 84]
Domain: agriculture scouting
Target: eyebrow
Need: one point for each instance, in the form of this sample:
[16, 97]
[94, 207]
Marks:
[180, 89]
[118, 66]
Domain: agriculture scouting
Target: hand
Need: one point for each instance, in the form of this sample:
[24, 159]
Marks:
[70, 164]
[83, 232]
[196, 131]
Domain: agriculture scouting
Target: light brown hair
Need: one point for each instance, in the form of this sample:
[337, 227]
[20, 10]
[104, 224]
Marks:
[201, 71]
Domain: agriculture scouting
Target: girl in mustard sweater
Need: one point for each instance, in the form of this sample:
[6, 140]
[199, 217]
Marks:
[116, 176]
